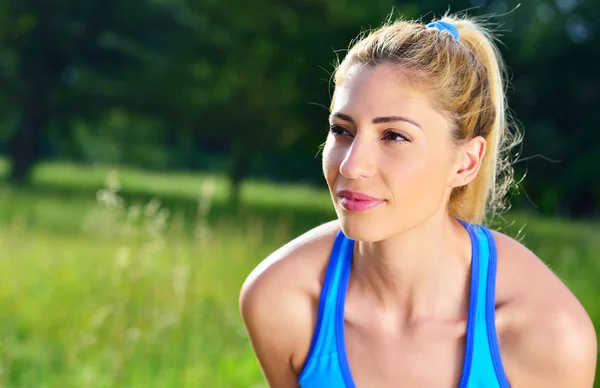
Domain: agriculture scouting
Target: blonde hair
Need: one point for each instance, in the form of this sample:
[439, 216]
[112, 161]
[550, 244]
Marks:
[466, 79]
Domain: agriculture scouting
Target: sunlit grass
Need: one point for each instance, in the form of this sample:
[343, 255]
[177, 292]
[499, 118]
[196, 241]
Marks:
[99, 313]
[130, 301]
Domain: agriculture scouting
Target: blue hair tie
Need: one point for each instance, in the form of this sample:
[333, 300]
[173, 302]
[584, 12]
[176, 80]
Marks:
[445, 26]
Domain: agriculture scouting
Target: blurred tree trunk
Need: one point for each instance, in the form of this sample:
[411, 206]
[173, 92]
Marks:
[37, 68]
[240, 166]
[26, 143]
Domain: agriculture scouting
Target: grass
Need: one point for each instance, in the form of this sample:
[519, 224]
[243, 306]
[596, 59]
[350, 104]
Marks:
[138, 287]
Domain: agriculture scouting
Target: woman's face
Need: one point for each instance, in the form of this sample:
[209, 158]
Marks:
[388, 143]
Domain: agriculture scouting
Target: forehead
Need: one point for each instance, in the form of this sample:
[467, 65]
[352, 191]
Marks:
[380, 90]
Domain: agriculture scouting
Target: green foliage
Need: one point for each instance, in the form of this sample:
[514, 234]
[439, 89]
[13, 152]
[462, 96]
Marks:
[181, 84]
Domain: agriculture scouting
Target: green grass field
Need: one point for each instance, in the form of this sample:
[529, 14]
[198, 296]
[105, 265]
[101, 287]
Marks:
[138, 287]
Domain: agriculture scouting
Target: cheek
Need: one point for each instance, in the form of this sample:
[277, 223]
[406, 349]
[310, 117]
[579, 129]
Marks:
[419, 175]
[332, 159]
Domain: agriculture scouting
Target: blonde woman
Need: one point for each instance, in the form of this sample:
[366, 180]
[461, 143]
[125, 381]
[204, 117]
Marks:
[407, 288]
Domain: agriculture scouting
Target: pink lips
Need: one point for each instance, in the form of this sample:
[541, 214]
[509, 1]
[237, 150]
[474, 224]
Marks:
[358, 202]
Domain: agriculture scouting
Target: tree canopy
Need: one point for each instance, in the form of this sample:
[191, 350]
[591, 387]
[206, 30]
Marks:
[244, 87]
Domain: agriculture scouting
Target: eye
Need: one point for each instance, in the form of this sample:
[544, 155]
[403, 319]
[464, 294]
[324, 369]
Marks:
[338, 130]
[395, 137]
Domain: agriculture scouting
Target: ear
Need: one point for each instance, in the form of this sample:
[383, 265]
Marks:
[468, 161]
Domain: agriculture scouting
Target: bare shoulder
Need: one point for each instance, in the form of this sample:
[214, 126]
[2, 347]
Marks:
[546, 337]
[279, 302]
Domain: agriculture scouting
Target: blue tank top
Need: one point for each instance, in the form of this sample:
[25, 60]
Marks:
[327, 363]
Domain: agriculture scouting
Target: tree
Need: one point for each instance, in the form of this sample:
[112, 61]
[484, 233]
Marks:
[272, 58]
[66, 60]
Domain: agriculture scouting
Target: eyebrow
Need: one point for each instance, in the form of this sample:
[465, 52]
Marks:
[378, 120]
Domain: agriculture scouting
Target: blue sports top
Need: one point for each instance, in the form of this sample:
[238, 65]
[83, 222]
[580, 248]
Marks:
[327, 363]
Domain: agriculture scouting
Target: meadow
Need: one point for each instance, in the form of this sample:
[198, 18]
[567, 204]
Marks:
[126, 278]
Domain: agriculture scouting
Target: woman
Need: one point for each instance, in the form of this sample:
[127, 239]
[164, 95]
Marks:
[407, 288]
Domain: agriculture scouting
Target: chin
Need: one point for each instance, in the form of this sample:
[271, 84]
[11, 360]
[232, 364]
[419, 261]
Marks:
[362, 227]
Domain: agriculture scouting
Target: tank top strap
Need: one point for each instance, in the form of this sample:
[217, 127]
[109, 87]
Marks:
[324, 340]
[483, 354]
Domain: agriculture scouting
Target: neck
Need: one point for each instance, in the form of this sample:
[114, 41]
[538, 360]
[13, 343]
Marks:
[420, 274]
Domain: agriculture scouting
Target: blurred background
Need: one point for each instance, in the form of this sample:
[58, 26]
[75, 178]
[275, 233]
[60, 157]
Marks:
[152, 152]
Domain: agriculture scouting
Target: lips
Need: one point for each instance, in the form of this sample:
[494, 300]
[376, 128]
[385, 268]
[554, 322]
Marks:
[355, 201]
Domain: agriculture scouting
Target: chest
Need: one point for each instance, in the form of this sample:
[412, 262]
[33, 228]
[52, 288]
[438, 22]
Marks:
[431, 355]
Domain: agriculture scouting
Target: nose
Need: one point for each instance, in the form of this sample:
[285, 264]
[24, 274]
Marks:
[358, 161]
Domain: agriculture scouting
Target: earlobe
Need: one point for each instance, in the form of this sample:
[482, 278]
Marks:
[469, 159]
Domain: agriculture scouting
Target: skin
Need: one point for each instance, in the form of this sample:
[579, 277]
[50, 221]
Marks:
[407, 301]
